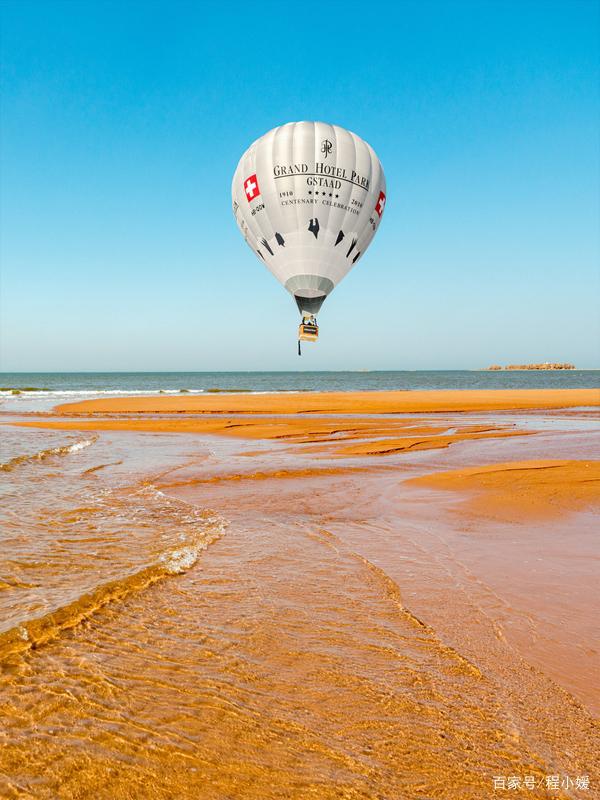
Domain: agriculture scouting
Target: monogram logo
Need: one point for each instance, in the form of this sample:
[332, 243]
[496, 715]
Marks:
[326, 147]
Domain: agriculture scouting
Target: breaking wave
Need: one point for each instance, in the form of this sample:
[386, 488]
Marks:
[90, 394]
[41, 455]
[33, 633]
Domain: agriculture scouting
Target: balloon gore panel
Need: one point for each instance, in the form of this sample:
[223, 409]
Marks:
[308, 198]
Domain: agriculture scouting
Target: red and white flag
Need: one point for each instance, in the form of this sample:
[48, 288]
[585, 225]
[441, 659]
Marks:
[251, 188]
[380, 205]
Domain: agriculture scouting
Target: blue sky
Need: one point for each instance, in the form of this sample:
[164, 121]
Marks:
[122, 124]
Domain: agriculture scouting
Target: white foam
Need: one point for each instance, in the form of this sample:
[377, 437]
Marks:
[42, 454]
[91, 393]
[74, 448]
[181, 560]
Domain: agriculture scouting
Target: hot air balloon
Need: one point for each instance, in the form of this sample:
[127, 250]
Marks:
[308, 198]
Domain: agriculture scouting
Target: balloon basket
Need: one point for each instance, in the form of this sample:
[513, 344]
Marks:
[308, 331]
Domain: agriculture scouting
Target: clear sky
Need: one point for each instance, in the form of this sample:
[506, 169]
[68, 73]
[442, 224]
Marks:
[122, 124]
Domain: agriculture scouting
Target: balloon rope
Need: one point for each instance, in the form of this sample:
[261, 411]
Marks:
[299, 350]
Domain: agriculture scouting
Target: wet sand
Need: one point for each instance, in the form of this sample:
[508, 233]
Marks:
[399, 606]
[344, 402]
[521, 491]
[353, 436]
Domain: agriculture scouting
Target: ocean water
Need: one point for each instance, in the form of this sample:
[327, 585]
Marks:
[74, 384]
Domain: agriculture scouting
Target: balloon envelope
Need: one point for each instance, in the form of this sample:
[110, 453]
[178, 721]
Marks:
[308, 198]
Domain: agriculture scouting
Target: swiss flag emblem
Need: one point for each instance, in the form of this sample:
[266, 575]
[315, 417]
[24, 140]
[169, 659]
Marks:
[251, 187]
[380, 205]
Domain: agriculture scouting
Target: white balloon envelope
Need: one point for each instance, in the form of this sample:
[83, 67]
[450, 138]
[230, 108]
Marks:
[308, 198]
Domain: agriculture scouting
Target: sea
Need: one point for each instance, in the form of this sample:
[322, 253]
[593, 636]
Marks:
[56, 387]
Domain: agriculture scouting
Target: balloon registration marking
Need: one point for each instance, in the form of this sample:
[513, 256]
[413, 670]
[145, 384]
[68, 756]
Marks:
[318, 185]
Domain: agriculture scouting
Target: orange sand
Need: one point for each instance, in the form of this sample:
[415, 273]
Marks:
[388, 446]
[293, 429]
[520, 490]
[376, 436]
[290, 664]
[342, 402]
[352, 436]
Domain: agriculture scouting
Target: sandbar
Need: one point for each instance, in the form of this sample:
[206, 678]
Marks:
[342, 402]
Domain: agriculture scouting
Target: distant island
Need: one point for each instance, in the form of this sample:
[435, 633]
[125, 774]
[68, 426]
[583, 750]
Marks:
[545, 365]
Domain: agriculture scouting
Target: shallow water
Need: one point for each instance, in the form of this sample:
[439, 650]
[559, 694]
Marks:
[335, 635]
[79, 527]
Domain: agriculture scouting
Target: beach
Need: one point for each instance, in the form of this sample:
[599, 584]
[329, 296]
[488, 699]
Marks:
[299, 401]
[359, 594]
